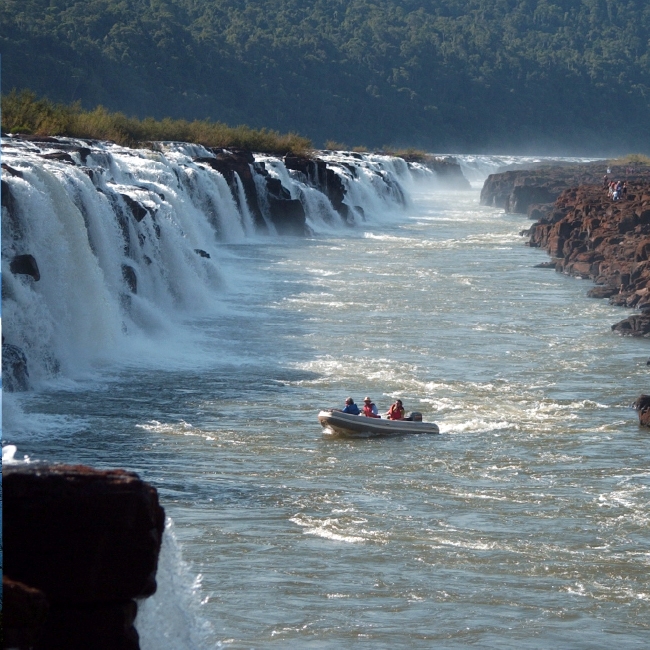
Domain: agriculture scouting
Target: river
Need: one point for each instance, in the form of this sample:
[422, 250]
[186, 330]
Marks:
[524, 524]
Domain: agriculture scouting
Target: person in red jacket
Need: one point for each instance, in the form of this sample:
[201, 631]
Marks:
[396, 411]
[370, 409]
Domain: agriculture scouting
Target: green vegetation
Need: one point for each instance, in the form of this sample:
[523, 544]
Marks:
[24, 113]
[539, 76]
[410, 154]
[333, 145]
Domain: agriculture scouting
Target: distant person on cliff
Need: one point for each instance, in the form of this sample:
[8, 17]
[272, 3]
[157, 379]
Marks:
[605, 181]
[351, 407]
[370, 409]
[396, 411]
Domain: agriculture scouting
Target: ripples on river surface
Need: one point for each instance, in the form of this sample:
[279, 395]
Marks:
[523, 525]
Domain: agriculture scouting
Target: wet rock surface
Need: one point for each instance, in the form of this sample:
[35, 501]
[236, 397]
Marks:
[642, 406]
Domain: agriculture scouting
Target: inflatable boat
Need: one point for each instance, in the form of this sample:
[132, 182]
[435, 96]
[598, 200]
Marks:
[348, 425]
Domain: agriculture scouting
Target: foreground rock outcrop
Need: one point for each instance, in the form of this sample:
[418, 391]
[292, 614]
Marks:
[591, 236]
[80, 545]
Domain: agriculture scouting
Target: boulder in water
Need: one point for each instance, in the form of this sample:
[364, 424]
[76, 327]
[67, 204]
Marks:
[642, 405]
[635, 325]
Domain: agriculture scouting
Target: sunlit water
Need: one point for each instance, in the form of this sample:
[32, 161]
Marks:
[523, 525]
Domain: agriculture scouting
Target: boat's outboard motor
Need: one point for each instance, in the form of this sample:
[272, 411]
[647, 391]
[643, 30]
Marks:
[415, 416]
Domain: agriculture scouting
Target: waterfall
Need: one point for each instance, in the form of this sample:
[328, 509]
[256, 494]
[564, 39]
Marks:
[476, 168]
[104, 245]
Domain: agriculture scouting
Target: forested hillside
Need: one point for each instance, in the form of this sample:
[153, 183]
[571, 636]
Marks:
[561, 76]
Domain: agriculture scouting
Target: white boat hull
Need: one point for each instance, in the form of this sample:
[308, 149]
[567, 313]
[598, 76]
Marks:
[348, 425]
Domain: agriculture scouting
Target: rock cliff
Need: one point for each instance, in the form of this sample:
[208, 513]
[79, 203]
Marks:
[516, 191]
[589, 235]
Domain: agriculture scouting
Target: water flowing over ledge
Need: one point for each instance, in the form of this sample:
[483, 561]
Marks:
[101, 241]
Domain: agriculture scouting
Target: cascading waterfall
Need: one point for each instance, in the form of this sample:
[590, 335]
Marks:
[103, 244]
[476, 168]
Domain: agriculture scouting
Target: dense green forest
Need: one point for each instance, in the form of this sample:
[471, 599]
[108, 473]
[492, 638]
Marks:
[537, 76]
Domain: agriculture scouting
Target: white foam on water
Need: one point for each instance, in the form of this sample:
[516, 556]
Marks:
[171, 618]
[330, 528]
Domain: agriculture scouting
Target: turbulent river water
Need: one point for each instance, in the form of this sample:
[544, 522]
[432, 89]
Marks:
[524, 524]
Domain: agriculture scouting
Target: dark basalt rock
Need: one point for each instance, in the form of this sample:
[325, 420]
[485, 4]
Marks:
[25, 265]
[10, 206]
[138, 210]
[15, 376]
[11, 171]
[202, 253]
[321, 176]
[524, 196]
[89, 541]
[83, 152]
[642, 406]
[288, 216]
[636, 325]
[24, 612]
[130, 277]
[276, 189]
[545, 265]
[61, 156]
[107, 626]
[602, 292]
[230, 162]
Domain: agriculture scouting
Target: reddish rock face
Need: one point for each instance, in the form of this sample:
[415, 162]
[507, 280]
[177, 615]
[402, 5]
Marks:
[518, 191]
[603, 240]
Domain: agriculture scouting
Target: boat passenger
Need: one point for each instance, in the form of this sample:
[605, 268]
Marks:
[351, 407]
[370, 409]
[396, 411]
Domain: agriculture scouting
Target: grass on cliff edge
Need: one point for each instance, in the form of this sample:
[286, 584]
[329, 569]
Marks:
[23, 112]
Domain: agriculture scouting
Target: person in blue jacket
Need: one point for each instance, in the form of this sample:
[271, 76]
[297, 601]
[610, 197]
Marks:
[351, 407]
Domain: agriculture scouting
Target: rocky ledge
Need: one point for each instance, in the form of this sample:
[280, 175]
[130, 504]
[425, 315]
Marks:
[80, 545]
[591, 236]
[516, 191]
